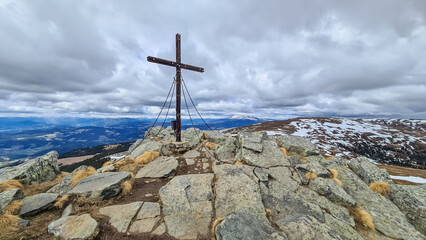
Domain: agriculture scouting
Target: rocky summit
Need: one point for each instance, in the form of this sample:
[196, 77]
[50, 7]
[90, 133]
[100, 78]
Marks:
[248, 185]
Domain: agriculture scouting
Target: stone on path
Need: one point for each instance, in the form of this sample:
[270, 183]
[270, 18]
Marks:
[189, 161]
[77, 227]
[192, 154]
[100, 186]
[147, 218]
[9, 196]
[121, 215]
[247, 225]
[159, 168]
[187, 205]
[65, 185]
[35, 204]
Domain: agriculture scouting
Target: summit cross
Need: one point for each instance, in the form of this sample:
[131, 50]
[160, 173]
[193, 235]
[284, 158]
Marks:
[179, 66]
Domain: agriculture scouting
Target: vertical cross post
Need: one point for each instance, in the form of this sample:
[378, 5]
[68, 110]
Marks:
[178, 89]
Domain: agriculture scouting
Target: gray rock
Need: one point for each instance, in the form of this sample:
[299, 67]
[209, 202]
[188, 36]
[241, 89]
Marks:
[236, 188]
[121, 215]
[411, 200]
[268, 156]
[187, 199]
[297, 144]
[313, 167]
[65, 185]
[149, 210]
[35, 204]
[305, 227]
[160, 230]
[165, 134]
[23, 223]
[159, 168]
[329, 188]
[192, 154]
[144, 225]
[246, 225]
[214, 136]
[77, 227]
[369, 172]
[109, 168]
[53, 226]
[8, 196]
[193, 136]
[287, 177]
[147, 218]
[100, 186]
[226, 149]
[344, 230]
[261, 174]
[189, 161]
[387, 218]
[33, 171]
[317, 159]
[251, 140]
[135, 145]
[146, 146]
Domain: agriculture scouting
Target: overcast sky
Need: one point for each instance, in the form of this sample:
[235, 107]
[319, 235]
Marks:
[263, 58]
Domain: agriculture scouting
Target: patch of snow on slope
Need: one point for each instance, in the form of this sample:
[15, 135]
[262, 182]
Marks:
[410, 178]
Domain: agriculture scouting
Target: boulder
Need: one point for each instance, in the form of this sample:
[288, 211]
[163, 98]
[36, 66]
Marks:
[251, 140]
[147, 219]
[214, 136]
[53, 226]
[411, 200]
[77, 227]
[369, 172]
[314, 167]
[193, 136]
[187, 199]
[236, 188]
[35, 204]
[387, 218]
[33, 171]
[120, 216]
[297, 144]
[159, 168]
[164, 134]
[9, 196]
[134, 145]
[100, 186]
[265, 154]
[65, 185]
[226, 149]
[329, 188]
[245, 224]
[146, 146]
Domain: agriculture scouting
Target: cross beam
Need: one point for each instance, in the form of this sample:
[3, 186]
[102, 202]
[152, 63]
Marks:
[178, 65]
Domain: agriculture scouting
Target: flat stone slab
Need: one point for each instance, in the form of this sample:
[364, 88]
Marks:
[265, 154]
[77, 227]
[100, 186]
[121, 215]
[35, 204]
[65, 185]
[9, 196]
[192, 154]
[147, 218]
[159, 168]
[146, 146]
[189, 161]
[187, 205]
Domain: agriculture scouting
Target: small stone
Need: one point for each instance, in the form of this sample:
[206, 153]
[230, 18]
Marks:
[77, 227]
[205, 166]
[159, 168]
[23, 223]
[8, 196]
[148, 195]
[189, 161]
[35, 204]
[147, 182]
[204, 160]
[192, 154]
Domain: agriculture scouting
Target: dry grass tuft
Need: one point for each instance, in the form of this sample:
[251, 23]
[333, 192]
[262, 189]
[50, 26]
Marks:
[310, 175]
[107, 163]
[204, 135]
[346, 166]
[362, 217]
[333, 173]
[146, 157]
[284, 151]
[239, 163]
[215, 223]
[329, 157]
[8, 222]
[60, 202]
[132, 178]
[9, 185]
[126, 187]
[13, 207]
[128, 167]
[302, 158]
[211, 145]
[82, 174]
[338, 182]
[156, 139]
[381, 188]
[268, 212]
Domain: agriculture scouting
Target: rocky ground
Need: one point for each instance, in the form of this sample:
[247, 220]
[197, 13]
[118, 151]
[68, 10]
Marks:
[248, 186]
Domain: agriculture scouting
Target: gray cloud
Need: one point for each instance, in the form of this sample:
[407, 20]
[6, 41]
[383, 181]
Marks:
[271, 59]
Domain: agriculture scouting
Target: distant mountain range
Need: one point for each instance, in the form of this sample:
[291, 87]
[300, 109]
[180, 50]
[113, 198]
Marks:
[28, 137]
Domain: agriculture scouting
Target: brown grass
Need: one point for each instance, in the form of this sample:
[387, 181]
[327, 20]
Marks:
[310, 175]
[329, 157]
[13, 207]
[60, 202]
[333, 173]
[346, 166]
[126, 187]
[268, 212]
[146, 157]
[362, 217]
[33, 189]
[381, 188]
[82, 174]
[107, 163]
[239, 163]
[214, 225]
[302, 158]
[211, 145]
[156, 139]
[284, 151]
[128, 167]
[8, 222]
[338, 182]
[9, 185]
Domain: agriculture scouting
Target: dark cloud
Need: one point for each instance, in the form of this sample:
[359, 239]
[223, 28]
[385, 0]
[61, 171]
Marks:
[274, 58]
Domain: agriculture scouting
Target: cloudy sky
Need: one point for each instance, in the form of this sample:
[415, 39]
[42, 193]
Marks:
[263, 58]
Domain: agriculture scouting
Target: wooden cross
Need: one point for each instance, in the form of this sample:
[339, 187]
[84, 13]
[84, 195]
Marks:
[178, 66]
